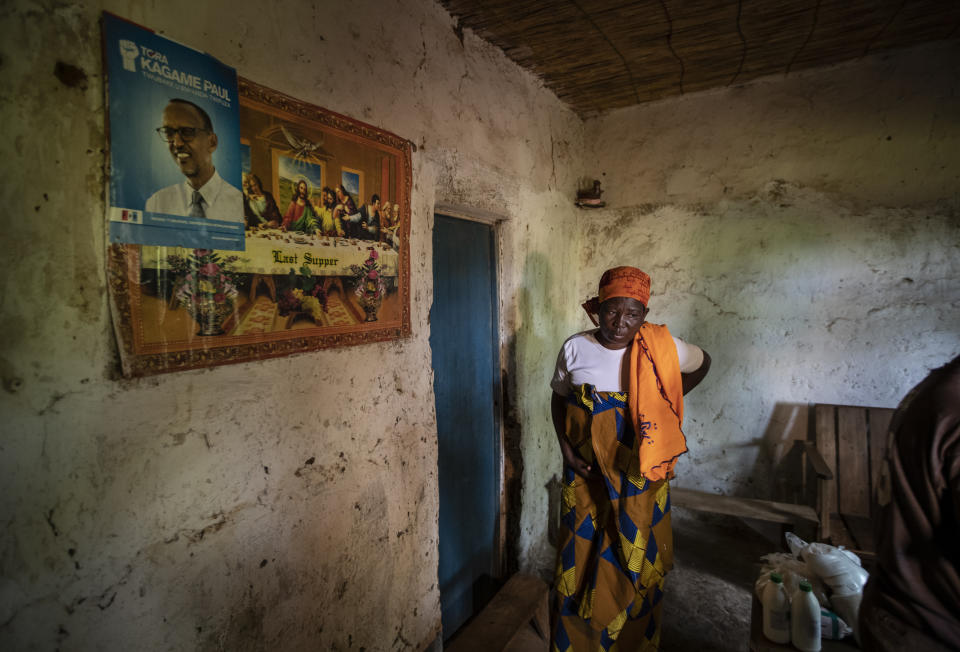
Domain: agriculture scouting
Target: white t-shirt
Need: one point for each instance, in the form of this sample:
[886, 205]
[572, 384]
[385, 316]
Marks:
[583, 359]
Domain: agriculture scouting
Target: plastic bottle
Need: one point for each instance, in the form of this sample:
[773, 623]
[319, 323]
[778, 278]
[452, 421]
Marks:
[805, 619]
[776, 610]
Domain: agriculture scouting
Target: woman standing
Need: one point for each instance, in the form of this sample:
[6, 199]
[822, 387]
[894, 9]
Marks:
[617, 409]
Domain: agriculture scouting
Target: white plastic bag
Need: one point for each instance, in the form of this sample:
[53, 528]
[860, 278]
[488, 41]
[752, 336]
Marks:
[795, 543]
[839, 570]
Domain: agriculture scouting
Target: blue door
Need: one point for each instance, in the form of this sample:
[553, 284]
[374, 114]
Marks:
[463, 339]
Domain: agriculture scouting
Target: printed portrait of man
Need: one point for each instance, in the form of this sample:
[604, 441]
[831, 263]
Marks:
[191, 139]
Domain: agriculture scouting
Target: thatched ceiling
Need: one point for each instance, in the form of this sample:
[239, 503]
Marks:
[603, 54]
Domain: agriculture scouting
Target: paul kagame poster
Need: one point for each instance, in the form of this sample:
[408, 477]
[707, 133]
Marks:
[175, 151]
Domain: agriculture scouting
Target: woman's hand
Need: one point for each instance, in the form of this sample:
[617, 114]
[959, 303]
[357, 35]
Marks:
[574, 461]
[570, 456]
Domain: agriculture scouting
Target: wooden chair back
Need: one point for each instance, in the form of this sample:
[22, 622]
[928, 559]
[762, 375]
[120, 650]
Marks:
[851, 442]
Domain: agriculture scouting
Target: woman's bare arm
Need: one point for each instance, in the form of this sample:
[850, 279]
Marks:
[693, 378]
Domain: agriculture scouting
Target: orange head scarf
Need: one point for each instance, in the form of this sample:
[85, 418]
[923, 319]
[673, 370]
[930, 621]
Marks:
[627, 282]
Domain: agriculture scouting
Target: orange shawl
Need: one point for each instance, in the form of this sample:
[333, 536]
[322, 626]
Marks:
[655, 401]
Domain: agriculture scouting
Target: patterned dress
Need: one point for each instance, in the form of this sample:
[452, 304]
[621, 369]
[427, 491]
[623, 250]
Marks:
[616, 542]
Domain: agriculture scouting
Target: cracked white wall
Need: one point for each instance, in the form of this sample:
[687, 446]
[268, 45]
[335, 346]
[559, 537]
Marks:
[284, 504]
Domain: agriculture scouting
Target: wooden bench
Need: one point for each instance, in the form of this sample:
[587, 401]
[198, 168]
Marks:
[841, 458]
[788, 515]
[517, 619]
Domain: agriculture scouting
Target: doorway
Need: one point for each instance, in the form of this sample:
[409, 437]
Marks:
[464, 339]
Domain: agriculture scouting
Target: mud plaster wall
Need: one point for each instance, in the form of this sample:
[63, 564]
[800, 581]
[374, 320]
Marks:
[804, 230]
[285, 504]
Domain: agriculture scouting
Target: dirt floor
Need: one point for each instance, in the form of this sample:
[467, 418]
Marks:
[707, 602]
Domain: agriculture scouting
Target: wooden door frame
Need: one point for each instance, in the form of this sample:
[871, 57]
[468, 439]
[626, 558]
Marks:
[494, 221]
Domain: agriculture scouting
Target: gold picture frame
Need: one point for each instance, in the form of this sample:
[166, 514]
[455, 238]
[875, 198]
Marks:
[338, 274]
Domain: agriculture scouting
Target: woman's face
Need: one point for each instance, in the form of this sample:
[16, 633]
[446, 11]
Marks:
[620, 319]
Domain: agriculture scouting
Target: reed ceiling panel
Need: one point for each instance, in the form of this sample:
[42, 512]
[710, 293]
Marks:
[604, 54]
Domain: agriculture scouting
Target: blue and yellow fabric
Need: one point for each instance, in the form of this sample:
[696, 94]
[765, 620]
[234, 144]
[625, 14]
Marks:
[616, 543]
